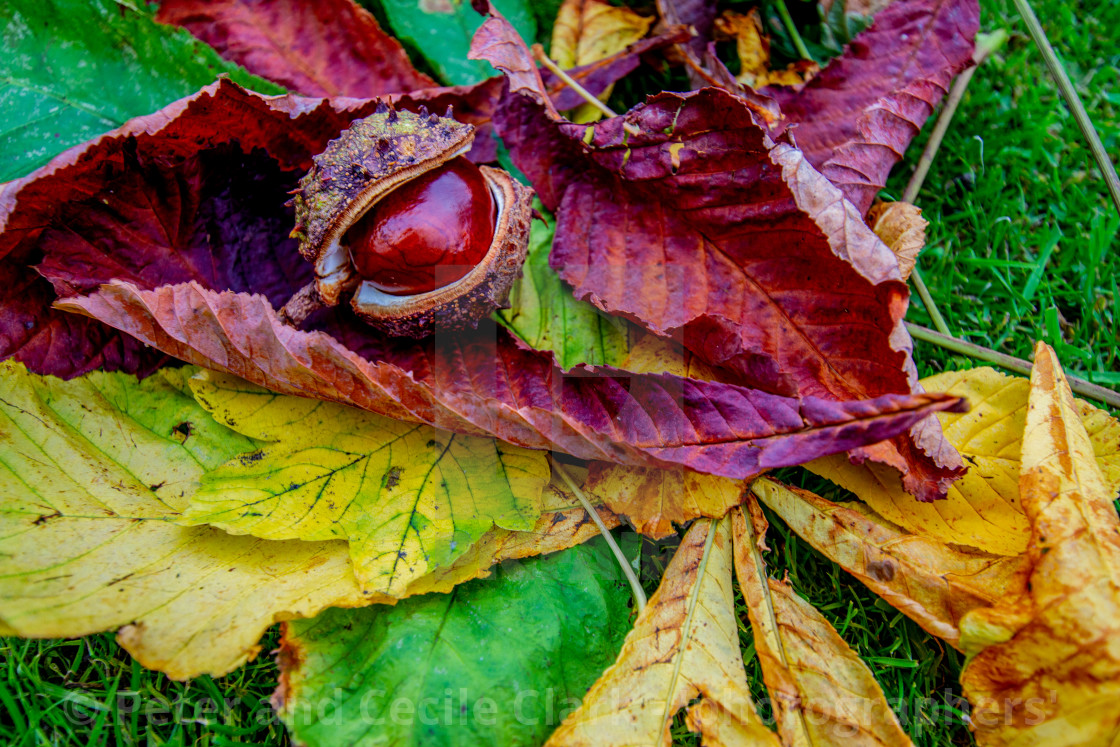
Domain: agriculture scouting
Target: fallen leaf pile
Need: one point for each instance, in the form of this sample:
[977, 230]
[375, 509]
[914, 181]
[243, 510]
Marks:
[709, 294]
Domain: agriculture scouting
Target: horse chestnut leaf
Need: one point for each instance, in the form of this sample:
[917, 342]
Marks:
[427, 233]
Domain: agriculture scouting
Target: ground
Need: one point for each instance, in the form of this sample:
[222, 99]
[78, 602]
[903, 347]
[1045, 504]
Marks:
[1021, 247]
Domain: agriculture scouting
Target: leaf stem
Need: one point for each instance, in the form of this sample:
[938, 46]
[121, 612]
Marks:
[791, 29]
[927, 301]
[1073, 101]
[635, 586]
[544, 59]
[1018, 365]
[986, 44]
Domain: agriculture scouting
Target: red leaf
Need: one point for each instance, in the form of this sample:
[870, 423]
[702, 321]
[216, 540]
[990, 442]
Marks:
[322, 48]
[855, 120]
[483, 382]
[701, 226]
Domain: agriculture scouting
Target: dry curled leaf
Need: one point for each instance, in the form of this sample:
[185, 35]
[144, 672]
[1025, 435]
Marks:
[932, 583]
[901, 227]
[1047, 669]
[821, 691]
[684, 644]
[655, 499]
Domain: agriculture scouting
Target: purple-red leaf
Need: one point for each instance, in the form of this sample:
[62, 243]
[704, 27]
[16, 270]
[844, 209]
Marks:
[855, 120]
[700, 226]
[321, 48]
[485, 383]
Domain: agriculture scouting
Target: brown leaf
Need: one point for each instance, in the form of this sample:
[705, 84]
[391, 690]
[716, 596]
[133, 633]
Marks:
[321, 48]
[684, 644]
[932, 583]
[704, 229]
[821, 691]
[1048, 668]
[901, 227]
[855, 120]
[655, 499]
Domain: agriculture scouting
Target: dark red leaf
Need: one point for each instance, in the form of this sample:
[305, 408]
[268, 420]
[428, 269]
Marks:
[321, 48]
[701, 227]
[483, 382]
[855, 120]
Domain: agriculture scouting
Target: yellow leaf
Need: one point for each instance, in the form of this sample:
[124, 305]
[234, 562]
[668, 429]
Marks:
[753, 48]
[932, 583]
[684, 644]
[654, 354]
[1055, 678]
[654, 499]
[90, 472]
[586, 31]
[982, 509]
[409, 498]
[901, 227]
[821, 691]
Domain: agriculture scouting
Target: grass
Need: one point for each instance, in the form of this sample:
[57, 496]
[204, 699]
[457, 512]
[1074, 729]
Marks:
[1022, 246]
[1022, 233]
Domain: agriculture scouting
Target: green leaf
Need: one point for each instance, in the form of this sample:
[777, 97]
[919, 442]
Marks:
[92, 471]
[544, 313]
[410, 498]
[440, 31]
[73, 70]
[497, 661]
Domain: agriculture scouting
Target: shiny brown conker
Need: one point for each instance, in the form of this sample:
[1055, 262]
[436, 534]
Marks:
[427, 233]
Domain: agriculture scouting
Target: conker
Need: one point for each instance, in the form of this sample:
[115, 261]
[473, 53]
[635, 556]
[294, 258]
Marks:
[427, 233]
[413, 235]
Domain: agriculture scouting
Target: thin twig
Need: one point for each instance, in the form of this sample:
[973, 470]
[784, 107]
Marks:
[1073, 101]
[927, 301]
[791, 29]
[571, 82]
[986, 44]
[635, 586]
[1018, 365]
